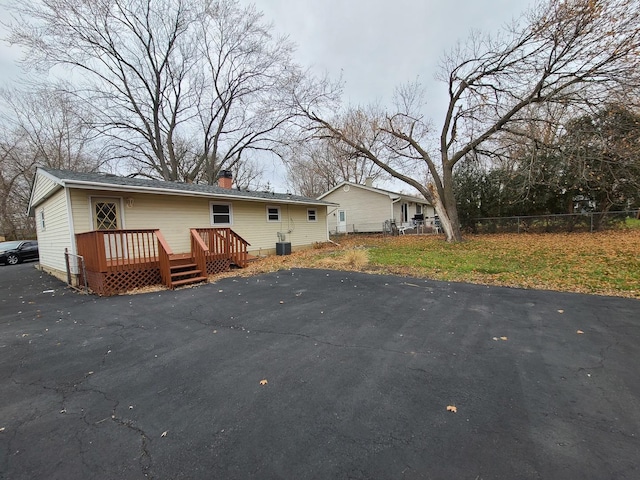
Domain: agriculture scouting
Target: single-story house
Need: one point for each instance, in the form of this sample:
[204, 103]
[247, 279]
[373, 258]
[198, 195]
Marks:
[363, 208]
[133, 232]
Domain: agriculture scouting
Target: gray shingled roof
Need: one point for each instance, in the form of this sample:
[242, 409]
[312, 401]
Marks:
[109, 180]
[378, 190]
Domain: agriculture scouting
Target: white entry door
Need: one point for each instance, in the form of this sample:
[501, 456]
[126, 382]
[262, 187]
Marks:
[342, 221]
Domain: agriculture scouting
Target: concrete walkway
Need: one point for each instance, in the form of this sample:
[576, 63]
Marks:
[311, 374]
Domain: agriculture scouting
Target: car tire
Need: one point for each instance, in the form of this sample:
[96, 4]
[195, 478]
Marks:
[13, 259]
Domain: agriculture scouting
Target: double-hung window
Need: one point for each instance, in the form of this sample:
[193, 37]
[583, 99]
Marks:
[221, 214]
[273, 214]
[312, 215]
[41, 215]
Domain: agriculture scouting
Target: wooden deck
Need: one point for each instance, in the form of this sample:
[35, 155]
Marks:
[117, 261]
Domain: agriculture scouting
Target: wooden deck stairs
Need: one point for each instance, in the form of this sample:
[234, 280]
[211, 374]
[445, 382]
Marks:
[184, 271]
[121, 260]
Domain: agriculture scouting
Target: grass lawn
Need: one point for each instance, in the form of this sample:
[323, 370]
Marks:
[606, 263]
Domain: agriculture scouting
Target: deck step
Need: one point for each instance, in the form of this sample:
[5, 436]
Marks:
[188, 281]
[181, 266]
[184, 273]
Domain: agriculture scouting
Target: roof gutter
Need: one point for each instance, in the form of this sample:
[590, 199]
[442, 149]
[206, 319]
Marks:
[181, 193]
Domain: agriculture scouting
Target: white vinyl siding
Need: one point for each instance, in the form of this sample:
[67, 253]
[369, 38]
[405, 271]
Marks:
[365, 209]
[250, 224]
[175, 216]
[56, 236]
[43, 187]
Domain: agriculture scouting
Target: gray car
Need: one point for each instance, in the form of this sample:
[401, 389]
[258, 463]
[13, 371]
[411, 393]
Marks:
[17, 251]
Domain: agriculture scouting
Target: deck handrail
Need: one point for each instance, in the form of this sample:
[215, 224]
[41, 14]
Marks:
[199, 251]
[113, 250]
[164, 254]
[225, 241]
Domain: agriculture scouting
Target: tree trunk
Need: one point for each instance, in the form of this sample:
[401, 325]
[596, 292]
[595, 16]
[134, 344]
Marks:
[448, 208]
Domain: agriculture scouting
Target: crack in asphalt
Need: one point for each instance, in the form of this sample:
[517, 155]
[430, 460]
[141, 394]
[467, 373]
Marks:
[240, 328]
[66, 391]
[145, 458]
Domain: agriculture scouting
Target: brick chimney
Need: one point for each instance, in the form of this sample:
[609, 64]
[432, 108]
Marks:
[225, 179]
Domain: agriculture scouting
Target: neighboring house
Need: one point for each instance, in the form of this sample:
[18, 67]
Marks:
[133, 225]
[363, 208]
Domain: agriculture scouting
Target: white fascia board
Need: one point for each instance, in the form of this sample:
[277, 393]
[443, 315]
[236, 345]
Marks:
[342, 184]
[53, 178]
[179, 193]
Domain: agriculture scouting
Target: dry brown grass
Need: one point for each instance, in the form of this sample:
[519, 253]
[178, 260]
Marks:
[604, 263]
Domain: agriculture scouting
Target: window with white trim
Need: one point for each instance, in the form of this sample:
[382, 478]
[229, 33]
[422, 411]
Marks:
[273, 214]
[221, 214]
[41, 218]
[418, 209]
[312, 215]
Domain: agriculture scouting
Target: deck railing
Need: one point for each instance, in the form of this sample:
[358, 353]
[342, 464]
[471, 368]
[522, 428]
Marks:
[119, 260]
[225, 241]
[199, 251]
[115, 250]
[164, 259]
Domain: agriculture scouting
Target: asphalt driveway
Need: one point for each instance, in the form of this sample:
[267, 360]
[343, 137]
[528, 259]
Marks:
[317, 374]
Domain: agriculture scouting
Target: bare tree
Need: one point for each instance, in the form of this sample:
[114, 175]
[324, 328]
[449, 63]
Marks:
[567, 52]
[314, 167]
[40, 127]
[247, 174]
[185, 87]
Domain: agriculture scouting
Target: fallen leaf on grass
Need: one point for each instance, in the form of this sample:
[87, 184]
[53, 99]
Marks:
[263, 382]
[452, 408]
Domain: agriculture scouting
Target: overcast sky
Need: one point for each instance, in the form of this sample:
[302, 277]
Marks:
[379, 44]
[375, 45]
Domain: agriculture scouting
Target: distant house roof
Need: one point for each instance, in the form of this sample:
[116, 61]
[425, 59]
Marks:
[389, 193]
[105, 181]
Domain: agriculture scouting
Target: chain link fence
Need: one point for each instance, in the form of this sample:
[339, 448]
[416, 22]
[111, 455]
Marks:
[576, 222]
